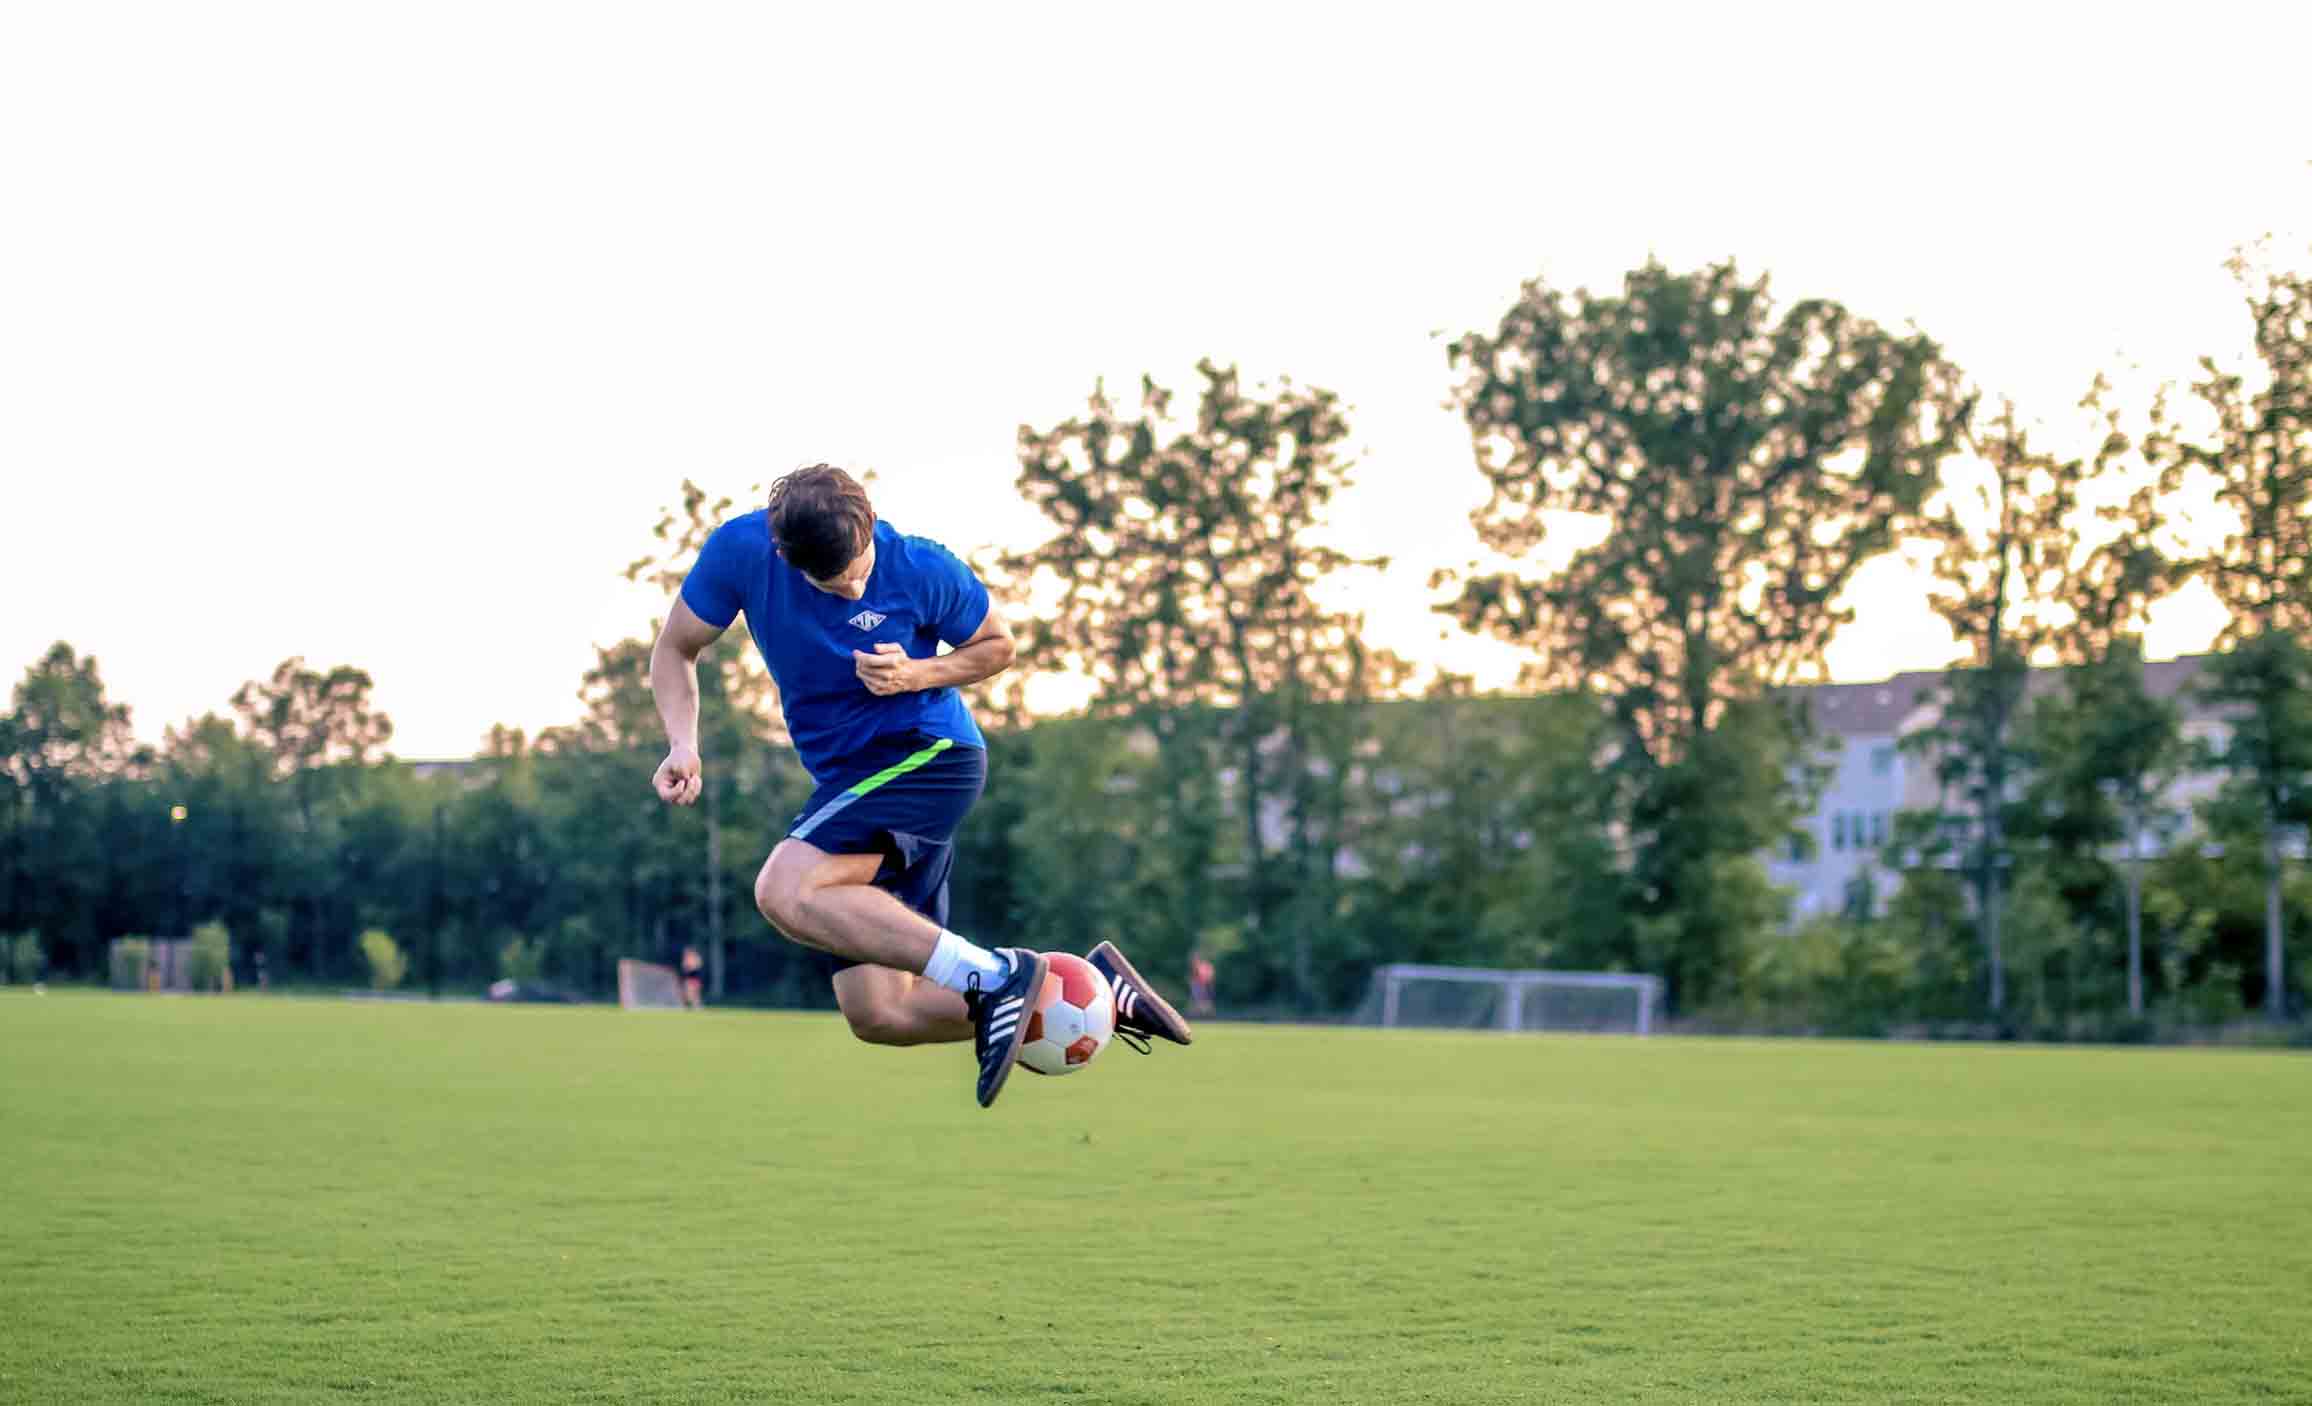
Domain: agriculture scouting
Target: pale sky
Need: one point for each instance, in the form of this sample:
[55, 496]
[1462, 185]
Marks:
[380, 334]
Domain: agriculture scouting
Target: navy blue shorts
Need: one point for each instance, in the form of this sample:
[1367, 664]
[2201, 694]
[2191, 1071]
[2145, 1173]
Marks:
[902, 798]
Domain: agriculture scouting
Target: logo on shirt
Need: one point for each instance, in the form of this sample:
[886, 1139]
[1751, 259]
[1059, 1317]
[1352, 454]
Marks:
[867, 619]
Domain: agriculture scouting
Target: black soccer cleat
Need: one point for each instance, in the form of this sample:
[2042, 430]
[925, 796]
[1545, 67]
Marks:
[999, 1018]
[1139, 1010]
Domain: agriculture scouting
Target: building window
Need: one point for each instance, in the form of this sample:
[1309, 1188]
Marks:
[1878, 828]
[1882, 759]
[1838, 831]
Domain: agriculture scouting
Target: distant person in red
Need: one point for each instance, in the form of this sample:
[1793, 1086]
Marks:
[693, 991]
[1200, 983]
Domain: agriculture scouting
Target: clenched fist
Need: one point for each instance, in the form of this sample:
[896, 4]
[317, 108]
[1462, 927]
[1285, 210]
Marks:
[678, 779]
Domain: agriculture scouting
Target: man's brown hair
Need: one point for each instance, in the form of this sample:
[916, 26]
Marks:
[820, 520]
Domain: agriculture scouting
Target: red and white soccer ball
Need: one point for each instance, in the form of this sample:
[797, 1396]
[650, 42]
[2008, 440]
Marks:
[1073, 1017]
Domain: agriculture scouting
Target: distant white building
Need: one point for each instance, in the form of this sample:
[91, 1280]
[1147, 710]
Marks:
[1873, 778]
[1863, 725]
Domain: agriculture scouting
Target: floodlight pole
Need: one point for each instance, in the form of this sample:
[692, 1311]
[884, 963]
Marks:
[433, 939]
[177, 815]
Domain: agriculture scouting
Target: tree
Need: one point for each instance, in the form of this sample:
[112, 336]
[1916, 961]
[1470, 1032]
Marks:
[2100, 755]
[1084, 808]
[2207, 901]
[2105, 750]
[1182, 571]
[320, 730]
[737, 699]
[744, 683]
[2263, 684]
[237, 842]
[307, 720]
[1744, 465]
[14, 823]
[1492, 843]
[2007, 540]
[661, 869]
[63, 728]
[2260, 463]
[64, 740]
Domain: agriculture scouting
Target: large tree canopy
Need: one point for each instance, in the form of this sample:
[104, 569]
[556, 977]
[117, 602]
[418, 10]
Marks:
[63, 728]
[2260, 460]
[305, 718]
[1745, 462]
[1186, 547]
[1181, 580]
[2008, 536]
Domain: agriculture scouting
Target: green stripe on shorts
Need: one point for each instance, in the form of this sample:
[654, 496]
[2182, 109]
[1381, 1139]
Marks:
[888, 774]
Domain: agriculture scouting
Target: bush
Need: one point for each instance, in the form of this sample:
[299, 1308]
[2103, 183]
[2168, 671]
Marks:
[130, 957]
[386, 964]
[271, 942]
[20, 958]
[209, 961]
[1829, 975]
[2213, 1001]
[523, 962]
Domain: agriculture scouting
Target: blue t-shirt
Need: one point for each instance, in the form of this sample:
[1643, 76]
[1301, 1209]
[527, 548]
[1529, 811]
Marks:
[918, 595]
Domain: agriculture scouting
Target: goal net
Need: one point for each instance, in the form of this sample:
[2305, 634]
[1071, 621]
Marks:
[1478, 998]
[647, 986]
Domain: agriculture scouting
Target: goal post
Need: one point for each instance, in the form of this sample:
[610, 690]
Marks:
[647, 986]
[1483, 998]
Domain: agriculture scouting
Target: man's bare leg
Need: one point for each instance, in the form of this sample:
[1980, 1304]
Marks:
[887, 1007]
[829, 901]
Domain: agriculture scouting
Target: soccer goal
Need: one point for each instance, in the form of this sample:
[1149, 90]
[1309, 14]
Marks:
[1479, 998]
[647, 986]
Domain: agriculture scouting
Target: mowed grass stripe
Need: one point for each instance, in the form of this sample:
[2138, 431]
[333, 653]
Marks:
[239, 1199]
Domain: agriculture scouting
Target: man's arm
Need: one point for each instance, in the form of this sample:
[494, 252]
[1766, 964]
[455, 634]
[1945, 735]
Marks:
[674, 684]
[987, 653]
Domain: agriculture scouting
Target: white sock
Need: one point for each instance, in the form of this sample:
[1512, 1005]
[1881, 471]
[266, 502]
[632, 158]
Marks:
[954, 962]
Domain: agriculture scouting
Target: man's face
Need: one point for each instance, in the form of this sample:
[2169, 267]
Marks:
[851, 582]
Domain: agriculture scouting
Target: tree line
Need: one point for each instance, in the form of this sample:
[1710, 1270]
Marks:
[1252, 780]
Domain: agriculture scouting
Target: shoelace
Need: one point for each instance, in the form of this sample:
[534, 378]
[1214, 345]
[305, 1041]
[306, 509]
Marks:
[1135, 1040]
[973, 998]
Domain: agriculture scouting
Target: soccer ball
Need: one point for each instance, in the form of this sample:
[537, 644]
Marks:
[1073, 1017]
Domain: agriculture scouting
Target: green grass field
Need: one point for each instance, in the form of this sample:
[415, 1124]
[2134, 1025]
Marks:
[240, 1199]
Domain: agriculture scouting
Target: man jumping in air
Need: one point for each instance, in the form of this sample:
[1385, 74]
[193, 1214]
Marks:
[849, 614]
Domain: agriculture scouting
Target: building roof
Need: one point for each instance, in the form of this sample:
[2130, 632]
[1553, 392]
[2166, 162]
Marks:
[2165, 678]
[1868, 709]
[1880, 709]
